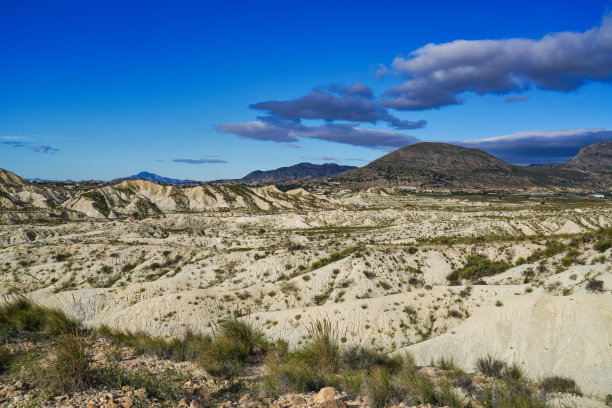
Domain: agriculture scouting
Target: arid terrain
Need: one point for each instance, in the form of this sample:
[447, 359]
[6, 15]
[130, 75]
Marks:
[524, 279]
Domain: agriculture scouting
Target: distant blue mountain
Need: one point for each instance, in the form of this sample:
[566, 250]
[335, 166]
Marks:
[145, 175]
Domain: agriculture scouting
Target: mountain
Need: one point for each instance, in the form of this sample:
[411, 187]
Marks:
[295, 172]
[444, 166]
[145, 175]
[595, 157]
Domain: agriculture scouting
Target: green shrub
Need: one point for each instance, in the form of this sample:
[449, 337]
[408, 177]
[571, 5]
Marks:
[334, 257]
[165, 388]
[553, 248]
[226, 354]
[603, 238]
[477, 267]
[558, 383]
[286, 376]
[512, 395]
[6, 357]
[364, 358]
[186, 348]
[514, 372]
[595, 285]
[490, 366]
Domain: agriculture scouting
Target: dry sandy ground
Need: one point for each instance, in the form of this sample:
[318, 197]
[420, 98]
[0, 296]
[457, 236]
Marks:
[387, 288]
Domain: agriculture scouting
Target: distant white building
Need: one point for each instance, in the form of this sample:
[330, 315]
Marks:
[598, 196]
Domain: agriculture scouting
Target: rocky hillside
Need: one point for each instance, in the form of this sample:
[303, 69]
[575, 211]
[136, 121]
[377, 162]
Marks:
[7, 177]
[143, 198]
[140, 198]
[298, 171]
[596, 157]
[16, 193]
[445, 166]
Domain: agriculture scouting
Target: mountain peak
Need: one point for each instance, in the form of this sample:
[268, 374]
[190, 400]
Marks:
[145, 175]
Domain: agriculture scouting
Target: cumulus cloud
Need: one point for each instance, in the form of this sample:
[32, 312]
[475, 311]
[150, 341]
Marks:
[355, 103]
[198, 161]
[45, 149]
[347, 133]
[437, 74]
[539, 146]
[258, 130]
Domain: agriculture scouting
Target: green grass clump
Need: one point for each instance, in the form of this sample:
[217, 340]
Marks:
[381, 389]
[70, 367]
[230, 348]
[558, 383]
[186, 348]
[21, 315]
[364, 358]
[603, 239]
[490, 366]
[323, 349]
[514, 372]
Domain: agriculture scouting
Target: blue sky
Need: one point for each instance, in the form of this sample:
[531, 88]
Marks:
[208, 90]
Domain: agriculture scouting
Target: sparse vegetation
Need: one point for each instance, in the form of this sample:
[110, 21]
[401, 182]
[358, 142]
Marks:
[491, 366]
[559, 384]
[477, 267]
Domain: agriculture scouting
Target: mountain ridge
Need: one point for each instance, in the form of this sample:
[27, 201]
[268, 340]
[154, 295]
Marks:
[430, 165]
[145, 175]
[298, 171]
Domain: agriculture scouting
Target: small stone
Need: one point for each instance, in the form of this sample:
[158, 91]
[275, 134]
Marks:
[183, 403]
[127, 402]
[196, 404]
[324, 395]
[296, 400]
[141, 393]
[245, 398]
[333, 404]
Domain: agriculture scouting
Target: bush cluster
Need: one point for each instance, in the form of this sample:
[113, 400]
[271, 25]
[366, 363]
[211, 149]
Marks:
[477, 267]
